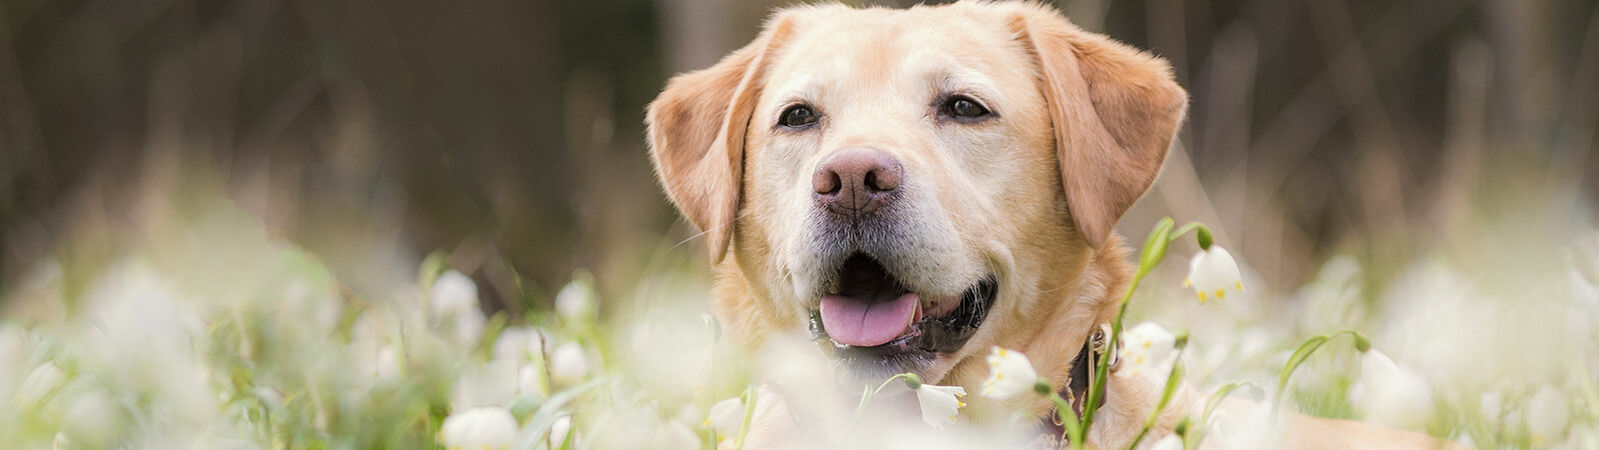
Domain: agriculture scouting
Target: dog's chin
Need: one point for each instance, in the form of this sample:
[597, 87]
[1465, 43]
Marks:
[885, 328]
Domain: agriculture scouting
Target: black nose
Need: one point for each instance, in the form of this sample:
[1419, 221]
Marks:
[857, 181]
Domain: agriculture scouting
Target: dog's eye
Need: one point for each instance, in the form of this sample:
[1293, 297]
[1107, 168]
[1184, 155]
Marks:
[797, 116]
[962, 107]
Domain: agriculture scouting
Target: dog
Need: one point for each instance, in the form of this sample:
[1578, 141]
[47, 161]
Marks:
[911, 187]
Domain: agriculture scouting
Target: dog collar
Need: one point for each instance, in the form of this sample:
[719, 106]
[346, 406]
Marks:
[1052, 433]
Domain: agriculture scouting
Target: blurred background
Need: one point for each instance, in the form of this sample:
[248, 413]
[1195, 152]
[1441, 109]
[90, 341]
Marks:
[508, 134]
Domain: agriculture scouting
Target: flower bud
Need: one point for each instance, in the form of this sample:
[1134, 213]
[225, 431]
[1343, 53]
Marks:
[1042, 387]
[912, 381]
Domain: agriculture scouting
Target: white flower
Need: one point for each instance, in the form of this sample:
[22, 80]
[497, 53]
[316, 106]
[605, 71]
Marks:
[1170, 442]
[559, 430]
[1147, 349]
[93, 416]
[569, 363]
[453, 292]
[575, 302]
[1491, 404]
[940, 404]
[40, 383]
[491, 384]
[519, 343]
[1251, 429]
[1212, 272]
[388, 363]
[530, 381]
[484, 427]
[726, 417]
[1010, 374]
[1547, 415]
[1391, 395]
[454, 298]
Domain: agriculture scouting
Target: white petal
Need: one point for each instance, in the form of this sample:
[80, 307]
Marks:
[727, 417]
[1147, 349]
[569, 363]
[1213, 272]
[481, 427]
[1170, 442]
[1010, 374]
[453, 292]
[940, 404]
[575, 302]
[559, 430]
[1391, 395]
[1547, 415]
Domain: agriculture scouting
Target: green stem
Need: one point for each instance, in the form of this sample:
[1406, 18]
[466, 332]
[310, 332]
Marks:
[1068, 418]
[749, 414]
[868, 394]
[1173, 378]
[1221, 394]
[1300, 355]
[1153, 253]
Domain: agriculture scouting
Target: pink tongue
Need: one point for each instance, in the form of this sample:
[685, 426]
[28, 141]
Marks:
[864, 324]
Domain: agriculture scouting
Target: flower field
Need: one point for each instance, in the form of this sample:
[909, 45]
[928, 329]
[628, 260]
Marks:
[201, 331]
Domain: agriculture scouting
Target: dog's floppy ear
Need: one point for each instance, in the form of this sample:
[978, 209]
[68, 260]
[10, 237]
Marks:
[696, 134]
[1115, 111]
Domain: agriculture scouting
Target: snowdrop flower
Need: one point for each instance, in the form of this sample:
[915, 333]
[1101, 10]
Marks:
[39, 384]
[1491, 404]
[575, 302]
[940, 404]
[453, 292]
[726, 417]
[1147, 349]
[388, 363]
[454, 296]
[493, 383]
[484, 427]
[569, 363]
[1010, 374]
[559, 430]
[521, 343]
[530, 381]
[1170, 442]
[1547, 415]
[92, 416]
[1252, 428]
[1391, 395]
[1212, 272]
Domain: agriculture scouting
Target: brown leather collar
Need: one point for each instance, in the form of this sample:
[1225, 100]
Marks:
[1052, 433]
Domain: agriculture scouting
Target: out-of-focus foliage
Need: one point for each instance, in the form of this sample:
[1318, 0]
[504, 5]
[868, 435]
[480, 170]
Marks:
[213, 214]
[201, 331]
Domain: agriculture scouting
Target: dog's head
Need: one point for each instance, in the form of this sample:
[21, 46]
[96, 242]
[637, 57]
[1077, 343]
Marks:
[912, 185]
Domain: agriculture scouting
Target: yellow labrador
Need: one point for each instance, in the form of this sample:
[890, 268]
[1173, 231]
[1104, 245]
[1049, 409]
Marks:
[914, 186]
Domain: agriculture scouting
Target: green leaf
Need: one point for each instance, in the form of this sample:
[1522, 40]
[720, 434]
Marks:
[550, 412]
[1155, 245]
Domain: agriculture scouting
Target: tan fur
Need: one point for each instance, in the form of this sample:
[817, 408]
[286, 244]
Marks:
[1083, 126]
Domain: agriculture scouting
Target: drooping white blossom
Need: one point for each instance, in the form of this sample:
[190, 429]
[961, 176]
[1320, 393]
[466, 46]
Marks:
[940, 404]
[479, 428]
[1147, 349]
[1009, 374]
[726, 417]
[1389, 394]
[569, 363]
[1212, 272]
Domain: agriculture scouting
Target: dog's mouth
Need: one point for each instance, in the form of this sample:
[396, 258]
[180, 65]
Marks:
[869, 315]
